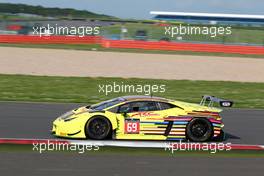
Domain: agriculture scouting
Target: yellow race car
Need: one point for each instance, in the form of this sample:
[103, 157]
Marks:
[144, 118]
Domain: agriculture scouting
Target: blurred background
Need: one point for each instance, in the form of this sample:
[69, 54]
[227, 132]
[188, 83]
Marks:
[21, 18]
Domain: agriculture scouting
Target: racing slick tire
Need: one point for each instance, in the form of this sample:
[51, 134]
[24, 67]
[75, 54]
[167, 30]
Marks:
[199, 130]
[98, 127]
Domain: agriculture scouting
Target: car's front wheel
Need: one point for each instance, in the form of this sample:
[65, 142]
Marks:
[98, 127]
[199, 130]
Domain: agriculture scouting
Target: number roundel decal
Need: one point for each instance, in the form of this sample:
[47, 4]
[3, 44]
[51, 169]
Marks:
[132, 126]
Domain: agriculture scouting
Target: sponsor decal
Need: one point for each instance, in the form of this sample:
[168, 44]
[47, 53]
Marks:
[144, 114]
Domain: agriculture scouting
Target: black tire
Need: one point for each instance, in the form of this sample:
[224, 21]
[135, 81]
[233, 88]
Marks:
[98, 127]
[199, 130]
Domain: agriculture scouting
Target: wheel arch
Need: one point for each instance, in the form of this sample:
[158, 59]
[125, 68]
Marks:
[96, 116]
[112, 119]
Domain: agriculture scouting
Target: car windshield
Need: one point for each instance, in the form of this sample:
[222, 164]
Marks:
[106, 104]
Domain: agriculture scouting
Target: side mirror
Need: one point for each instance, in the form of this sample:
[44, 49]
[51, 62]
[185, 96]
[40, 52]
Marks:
[124, 114]
[124, 111]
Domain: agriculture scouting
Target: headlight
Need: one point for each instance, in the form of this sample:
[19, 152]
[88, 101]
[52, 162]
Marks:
[69, 119]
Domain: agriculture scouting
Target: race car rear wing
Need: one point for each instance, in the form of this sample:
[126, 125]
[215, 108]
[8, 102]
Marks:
[209, 101]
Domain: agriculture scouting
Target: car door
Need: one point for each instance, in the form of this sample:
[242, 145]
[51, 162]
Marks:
[140, 120]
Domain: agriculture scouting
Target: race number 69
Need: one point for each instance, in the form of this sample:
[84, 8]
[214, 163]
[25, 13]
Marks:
[132, 127]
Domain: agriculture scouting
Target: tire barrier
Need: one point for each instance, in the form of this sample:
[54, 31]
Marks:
[173, 46]
[133, 44]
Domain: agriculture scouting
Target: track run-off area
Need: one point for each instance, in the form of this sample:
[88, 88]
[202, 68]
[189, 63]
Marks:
[59, 62]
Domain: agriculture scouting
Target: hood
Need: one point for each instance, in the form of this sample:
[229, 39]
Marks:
[85, 109]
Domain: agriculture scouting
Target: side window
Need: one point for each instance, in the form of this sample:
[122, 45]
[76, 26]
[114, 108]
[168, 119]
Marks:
[144, 106]
[125, 108]
[165, 106]
[139, 106]
[114, 109]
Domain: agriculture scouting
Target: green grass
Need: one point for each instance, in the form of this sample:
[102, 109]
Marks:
[96, 47]
[86, 90]
[140, 152]
[7, 17]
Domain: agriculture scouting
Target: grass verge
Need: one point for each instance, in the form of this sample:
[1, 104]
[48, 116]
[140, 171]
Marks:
[86, 89]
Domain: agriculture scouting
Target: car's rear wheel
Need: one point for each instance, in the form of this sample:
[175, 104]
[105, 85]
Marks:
[98, 127]
[199, 130]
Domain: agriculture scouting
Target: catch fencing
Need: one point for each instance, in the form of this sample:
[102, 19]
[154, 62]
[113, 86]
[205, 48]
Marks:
[34, 39]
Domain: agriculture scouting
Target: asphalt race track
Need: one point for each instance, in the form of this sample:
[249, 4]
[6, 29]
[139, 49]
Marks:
[120, 165]
[33, 120]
